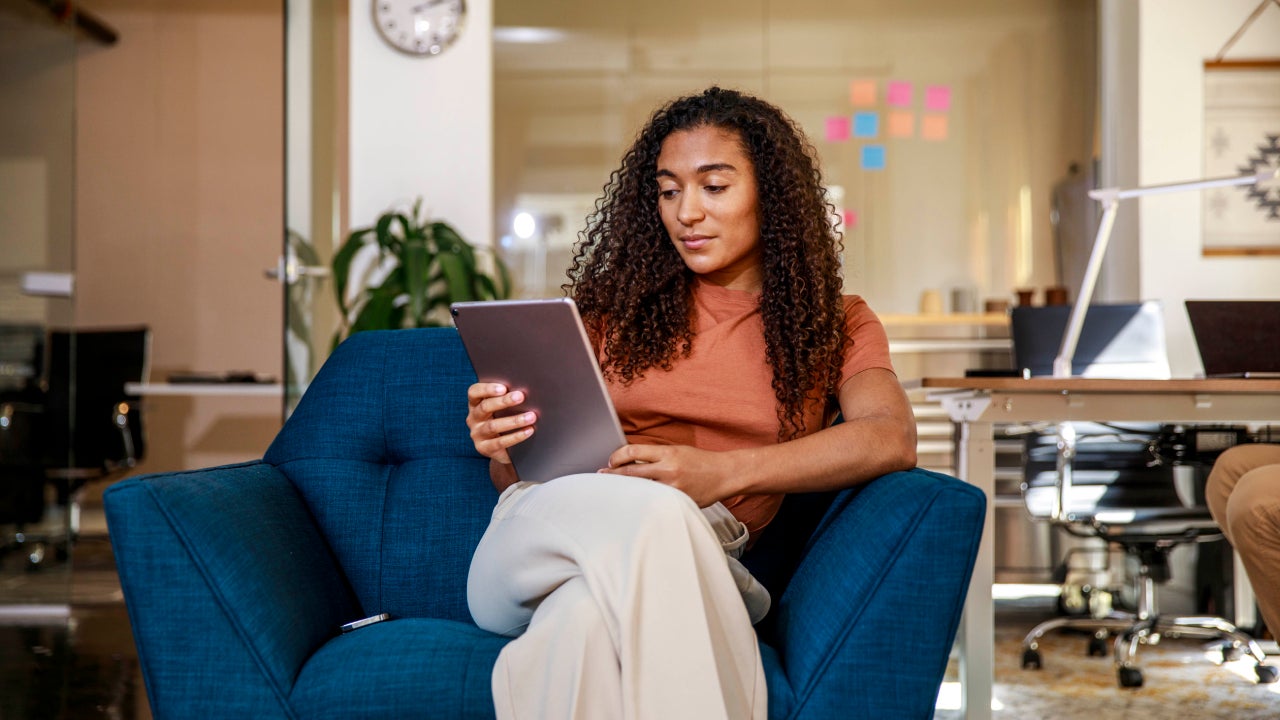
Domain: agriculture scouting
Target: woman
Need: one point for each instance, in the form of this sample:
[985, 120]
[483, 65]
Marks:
[709, 281]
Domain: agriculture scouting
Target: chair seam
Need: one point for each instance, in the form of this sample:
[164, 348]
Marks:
[803, 698]
[281, 697]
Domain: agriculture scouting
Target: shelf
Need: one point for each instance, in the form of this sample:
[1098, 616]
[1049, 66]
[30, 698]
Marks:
[206, 389]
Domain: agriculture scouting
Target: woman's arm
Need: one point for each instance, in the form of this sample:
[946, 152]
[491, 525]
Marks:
[878, 436]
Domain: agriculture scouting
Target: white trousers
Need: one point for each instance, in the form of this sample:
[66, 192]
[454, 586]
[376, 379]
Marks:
[622, 603]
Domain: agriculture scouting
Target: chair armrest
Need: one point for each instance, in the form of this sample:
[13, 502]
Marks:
[867, 623]
[230, 559]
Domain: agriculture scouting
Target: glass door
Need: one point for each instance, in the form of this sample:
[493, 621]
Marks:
[37, 264]
[315, 101]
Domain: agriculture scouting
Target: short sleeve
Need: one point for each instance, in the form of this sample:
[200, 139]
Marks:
[868, 345]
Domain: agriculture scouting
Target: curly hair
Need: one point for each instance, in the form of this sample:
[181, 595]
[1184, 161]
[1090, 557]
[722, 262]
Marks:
[635, 292]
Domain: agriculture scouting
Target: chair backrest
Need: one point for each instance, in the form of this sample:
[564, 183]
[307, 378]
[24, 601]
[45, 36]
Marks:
[85, 374]
[1116, 341]
[379, 449]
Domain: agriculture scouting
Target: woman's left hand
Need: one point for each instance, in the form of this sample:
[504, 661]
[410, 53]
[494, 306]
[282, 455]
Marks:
[703, 475]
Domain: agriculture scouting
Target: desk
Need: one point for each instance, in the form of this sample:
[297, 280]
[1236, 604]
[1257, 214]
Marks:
[977, 403]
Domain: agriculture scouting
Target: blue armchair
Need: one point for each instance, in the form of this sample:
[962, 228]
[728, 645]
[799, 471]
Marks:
[371, 499]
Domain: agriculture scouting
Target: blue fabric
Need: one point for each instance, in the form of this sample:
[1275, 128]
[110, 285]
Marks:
[380, 451]
[227, 584]
[414, 668]
[877, 599]
[372, 499]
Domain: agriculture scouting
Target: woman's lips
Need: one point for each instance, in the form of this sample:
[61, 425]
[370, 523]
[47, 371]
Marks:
[695, 242]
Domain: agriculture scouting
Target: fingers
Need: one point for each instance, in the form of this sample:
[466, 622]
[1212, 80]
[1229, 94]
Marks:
[491, 434]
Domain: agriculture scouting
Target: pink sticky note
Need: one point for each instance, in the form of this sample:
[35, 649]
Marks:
[901, 123]
[933, 127]
[850, 220]
[899, 94]
[838, 128]
[862, 93]
[938, 97]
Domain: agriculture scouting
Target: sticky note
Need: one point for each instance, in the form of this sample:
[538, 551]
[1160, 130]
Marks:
[900, 124]
[898, 94]
[873, 157]
[862, 93]
[933, 127]
[866, 124]
[938, 97]
[838, 128]
[849, 220]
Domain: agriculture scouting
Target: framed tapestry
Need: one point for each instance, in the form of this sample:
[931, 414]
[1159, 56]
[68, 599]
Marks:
[1241, 137]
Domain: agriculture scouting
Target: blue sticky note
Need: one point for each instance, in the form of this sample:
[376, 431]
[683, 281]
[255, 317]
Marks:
[866, 124]
[873, 157]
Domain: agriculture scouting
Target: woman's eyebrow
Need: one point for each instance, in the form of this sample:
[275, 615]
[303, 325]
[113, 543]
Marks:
[702, 169]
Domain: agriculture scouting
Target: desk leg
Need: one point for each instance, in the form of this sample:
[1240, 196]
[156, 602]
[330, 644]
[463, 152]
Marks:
[975, 463]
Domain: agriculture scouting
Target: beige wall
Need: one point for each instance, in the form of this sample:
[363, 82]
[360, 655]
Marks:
[179, 206]
[1176, 37]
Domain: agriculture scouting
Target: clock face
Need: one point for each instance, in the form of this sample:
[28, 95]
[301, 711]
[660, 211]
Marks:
[419, 27]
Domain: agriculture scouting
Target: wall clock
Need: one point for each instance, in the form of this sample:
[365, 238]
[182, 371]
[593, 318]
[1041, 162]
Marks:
[422, 28]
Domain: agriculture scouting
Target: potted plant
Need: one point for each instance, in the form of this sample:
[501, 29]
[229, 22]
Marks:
[405, 270]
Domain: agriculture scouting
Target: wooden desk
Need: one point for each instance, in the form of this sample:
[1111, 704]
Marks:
[976, 404]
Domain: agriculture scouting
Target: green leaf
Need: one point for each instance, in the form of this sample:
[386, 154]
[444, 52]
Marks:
[342, 264]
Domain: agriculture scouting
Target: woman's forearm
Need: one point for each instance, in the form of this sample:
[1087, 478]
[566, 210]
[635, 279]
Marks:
[503, 475]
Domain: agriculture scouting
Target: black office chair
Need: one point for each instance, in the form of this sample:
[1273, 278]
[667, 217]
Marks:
[79, 426]
[1118, 484]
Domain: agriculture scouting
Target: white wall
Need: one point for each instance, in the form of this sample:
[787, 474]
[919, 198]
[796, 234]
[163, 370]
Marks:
[1175, 38]
[424, 126]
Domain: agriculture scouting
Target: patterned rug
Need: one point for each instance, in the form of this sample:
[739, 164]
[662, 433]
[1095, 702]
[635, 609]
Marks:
[1182, 679]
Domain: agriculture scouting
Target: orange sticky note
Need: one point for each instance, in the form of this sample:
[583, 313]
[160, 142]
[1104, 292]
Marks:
[862, 93]
[901, 124]
[933, 127]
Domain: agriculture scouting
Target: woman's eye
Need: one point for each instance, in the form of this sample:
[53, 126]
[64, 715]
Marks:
[715, 188]
[667, 193]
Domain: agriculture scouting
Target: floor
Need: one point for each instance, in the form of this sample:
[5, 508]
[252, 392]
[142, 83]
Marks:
[80, 664]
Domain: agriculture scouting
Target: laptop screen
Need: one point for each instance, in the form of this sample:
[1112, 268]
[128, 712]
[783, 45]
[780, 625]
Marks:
[1237, 338]
[1116, 341]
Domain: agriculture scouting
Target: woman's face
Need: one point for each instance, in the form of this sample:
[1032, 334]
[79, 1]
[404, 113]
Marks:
[709, 206]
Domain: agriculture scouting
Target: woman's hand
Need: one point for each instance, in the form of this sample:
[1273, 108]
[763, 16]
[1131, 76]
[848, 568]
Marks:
[703, 475]
[493, 435]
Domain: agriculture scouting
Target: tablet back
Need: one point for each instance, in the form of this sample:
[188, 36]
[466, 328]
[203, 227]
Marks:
[541, 347]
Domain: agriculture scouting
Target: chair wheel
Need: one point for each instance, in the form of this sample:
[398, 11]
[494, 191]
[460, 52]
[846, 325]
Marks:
[1130, 677]
[1030, 659]
[1097, 647]
[1267, 674]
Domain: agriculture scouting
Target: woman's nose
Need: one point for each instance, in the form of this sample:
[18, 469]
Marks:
[690, 210]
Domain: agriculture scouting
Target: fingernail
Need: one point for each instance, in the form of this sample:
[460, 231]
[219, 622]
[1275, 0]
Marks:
[517, 396]
[527, 417]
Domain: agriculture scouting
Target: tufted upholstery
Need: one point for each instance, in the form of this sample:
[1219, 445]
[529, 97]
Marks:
[371, 499]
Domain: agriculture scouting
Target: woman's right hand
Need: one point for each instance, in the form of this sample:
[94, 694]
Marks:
[493, 435]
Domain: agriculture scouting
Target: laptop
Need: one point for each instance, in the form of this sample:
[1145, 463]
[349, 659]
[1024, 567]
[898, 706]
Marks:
[1237, 338]
[1116, 341]
[541, 347]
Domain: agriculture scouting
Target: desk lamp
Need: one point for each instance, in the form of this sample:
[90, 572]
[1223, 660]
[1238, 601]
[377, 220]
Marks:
[1110, 199]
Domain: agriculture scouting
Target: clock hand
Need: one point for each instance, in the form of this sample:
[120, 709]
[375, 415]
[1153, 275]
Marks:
[427, 4]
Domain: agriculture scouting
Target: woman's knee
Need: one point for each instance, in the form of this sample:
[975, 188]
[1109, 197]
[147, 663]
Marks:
[1253, 511]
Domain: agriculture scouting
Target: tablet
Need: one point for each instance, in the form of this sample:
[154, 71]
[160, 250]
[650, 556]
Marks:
[541, 347]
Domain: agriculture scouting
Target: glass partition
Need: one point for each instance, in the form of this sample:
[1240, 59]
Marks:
[942, 127]
[37, 173]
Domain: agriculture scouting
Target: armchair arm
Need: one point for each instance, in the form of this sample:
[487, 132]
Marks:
[867, 622]
[230, 558]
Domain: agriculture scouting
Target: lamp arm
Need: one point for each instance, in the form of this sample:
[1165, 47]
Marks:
[1075, 322]
[1110, 198]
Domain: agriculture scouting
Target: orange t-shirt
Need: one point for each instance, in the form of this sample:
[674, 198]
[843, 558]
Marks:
[721, 396]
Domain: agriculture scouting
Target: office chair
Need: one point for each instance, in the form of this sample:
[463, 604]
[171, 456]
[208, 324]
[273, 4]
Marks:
[78, 426]
[1113, 483]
